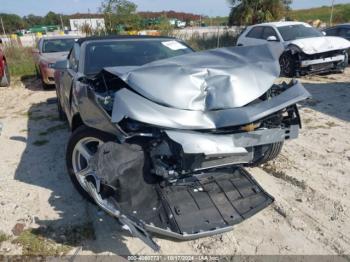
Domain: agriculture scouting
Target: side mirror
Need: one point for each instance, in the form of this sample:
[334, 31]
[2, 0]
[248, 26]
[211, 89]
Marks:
[324, 33]
[61, 65]
[272, 38]
[35, 51]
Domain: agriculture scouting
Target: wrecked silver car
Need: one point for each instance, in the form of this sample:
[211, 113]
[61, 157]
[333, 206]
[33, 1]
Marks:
[161, 134]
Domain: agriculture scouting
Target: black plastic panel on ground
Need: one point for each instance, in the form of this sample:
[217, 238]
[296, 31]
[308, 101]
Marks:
[220, 199]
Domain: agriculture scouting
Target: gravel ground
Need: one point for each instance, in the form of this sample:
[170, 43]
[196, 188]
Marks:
[310, 182]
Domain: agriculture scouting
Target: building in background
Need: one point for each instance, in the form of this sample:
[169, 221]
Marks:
[93, 23]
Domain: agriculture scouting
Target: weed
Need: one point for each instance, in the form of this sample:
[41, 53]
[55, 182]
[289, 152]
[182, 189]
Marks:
[52, 242]
[34, 244]
[40, 142]
[20, 61]
[331, 124]
[56, 128]
[3, 237]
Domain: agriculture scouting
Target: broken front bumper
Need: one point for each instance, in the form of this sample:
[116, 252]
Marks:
[334, 59]
[194, 207]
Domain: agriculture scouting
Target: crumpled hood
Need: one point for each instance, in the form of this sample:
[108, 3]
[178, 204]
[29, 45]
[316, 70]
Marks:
[321, 44]
[53, 57]
[209, 80]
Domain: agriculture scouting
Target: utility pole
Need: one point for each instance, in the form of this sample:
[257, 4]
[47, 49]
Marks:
[62, 22]
[331, 18]
[2, 25]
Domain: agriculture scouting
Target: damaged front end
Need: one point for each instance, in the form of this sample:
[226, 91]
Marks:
[185, 127]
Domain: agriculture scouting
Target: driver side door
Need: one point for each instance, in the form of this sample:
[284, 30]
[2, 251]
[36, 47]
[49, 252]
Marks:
[67, 80]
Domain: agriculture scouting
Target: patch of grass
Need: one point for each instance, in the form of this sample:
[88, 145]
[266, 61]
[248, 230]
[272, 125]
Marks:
[56, 128]
[36, 118]
[331, 124]
[3, 237]
[76, 234]
[20, 60]
[34, 244]
[49, 241]
[318, 127]
[307, 120]
[40, 142]
[341, 13]
[53, 129]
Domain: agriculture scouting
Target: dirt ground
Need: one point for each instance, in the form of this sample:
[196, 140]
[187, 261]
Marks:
[310, 182]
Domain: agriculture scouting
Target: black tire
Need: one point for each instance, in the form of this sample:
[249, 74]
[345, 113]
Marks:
[61, 115]
[267, 154]
[37, 72]
[287, 64]
[45, 86]
[79, 134]
[6, 79]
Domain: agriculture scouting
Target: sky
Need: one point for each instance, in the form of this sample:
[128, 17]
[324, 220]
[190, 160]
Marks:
[204, 7]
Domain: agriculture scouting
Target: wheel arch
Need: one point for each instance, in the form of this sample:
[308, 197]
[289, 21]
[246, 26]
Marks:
[76, 122]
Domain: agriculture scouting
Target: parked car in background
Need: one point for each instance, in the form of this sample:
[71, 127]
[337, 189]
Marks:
[4, 69]
[307, 50]
[160, 133]
[342, 30]
[51, 49]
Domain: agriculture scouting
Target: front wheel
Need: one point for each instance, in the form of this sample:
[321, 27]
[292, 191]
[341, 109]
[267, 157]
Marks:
[5, 80]
[266, 153]
[287, 64]
[82, 146]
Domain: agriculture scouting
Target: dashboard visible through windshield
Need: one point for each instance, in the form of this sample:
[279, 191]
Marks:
[57, 45]
[130, 53]
[293, 32]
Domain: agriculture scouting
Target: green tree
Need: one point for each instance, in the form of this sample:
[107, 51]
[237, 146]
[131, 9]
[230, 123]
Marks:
[52, 18]
[246, 12]
[120, 13]
[32, 20]
[12, 22]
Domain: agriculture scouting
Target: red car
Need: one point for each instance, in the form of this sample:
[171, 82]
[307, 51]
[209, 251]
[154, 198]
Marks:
[4, 70]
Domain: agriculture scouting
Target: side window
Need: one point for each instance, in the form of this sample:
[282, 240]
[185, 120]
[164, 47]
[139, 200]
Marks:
[344, 32]
[269, 31]
[73, 59]
[332, 31]
[256, 32]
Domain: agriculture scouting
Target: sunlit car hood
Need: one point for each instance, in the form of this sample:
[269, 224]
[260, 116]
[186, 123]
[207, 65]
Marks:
[204, 81]
[53, 57]
[321, 44]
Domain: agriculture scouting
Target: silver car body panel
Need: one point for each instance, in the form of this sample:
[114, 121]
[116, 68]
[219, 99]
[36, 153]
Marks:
[217, 79]
[211, 144]
[128, 104]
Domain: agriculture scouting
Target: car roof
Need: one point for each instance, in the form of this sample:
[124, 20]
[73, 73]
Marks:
[345, 24]
[60, 37]
[279, 24]
[118, 37]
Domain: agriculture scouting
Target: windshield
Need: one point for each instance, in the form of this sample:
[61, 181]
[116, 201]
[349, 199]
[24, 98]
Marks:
[57, 45]
[293, 32]
[130, 53]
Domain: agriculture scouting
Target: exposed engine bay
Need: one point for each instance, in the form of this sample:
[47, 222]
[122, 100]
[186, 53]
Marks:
[184, 129]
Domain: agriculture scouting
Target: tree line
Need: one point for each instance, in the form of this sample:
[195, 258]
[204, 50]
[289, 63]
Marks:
[124, 12]
[248, 12]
